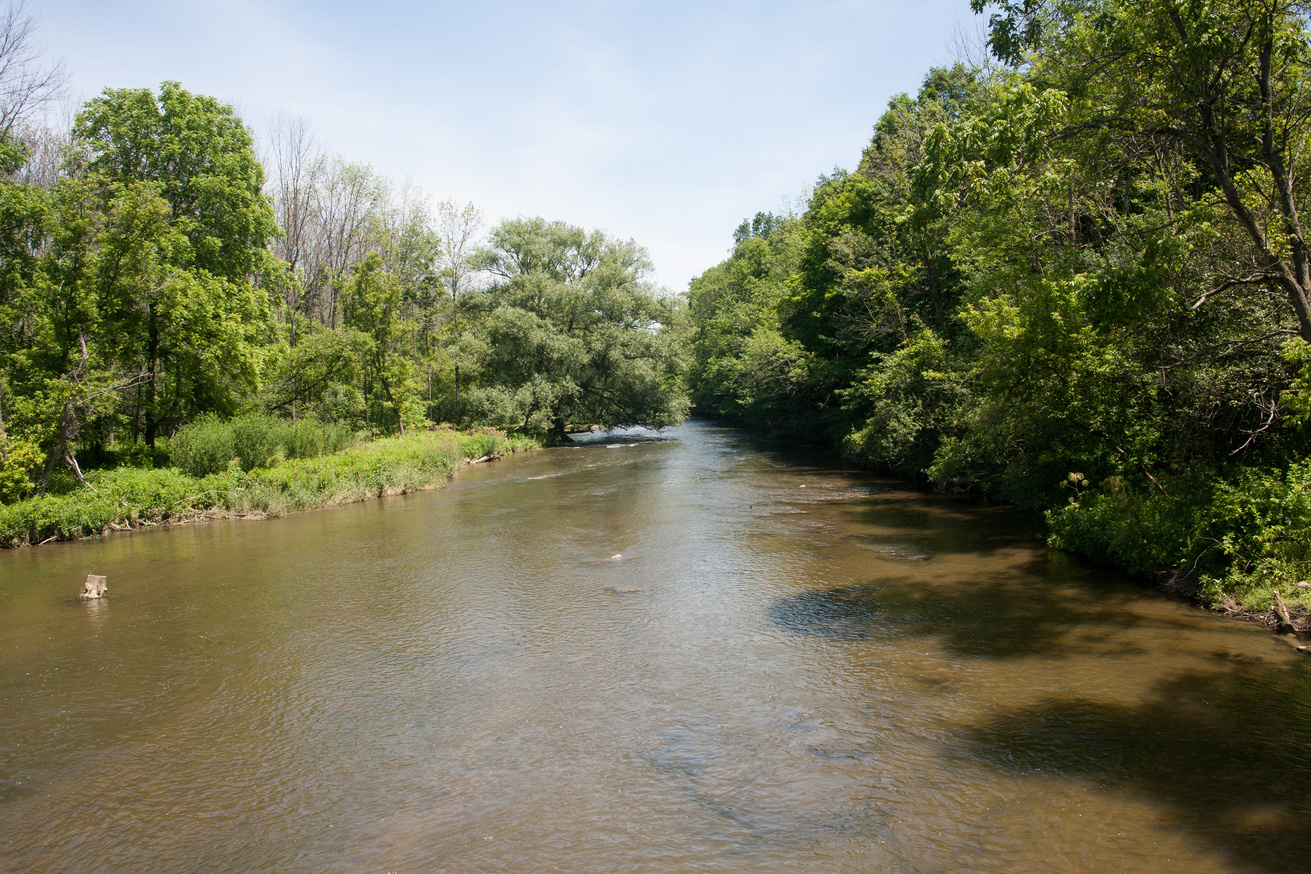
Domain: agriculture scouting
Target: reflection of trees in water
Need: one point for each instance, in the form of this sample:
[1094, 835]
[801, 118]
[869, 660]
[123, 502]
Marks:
[1228, 753]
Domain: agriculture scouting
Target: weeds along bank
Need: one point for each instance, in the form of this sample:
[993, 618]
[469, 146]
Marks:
[131, 497]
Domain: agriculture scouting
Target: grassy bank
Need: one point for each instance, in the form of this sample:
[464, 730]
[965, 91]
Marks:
[129, 498]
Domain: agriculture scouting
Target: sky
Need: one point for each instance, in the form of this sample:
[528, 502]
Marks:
[667, 123]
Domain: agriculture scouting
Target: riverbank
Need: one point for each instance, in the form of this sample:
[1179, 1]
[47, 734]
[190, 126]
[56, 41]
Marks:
[128, 498]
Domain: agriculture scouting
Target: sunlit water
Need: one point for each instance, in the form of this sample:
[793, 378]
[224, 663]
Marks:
[792, 666]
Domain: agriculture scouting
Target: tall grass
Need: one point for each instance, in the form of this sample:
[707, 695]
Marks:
[128, 497]
[210, 445]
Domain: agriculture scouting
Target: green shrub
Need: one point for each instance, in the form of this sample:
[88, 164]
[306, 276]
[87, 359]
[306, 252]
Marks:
[209, 446]
[203, 447]
[310, 438]
[1262, 524]
[256, 441]
[1136, 528]
[1243, 538]
[19, 462]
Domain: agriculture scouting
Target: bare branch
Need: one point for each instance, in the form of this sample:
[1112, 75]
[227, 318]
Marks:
[27, 83]
[1252, 435]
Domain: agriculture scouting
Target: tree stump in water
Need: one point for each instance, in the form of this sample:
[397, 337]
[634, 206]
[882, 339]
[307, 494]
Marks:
[94, 588]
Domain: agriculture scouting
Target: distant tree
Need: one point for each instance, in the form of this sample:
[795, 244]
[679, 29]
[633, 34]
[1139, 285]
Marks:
[294, 164]
[764, 224]
[347, 199]
[458, 230]
[27, 82]
[572, 334]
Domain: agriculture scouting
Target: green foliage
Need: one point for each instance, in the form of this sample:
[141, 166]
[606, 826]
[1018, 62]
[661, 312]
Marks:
[905, 403]
[1262, 522]
[373, 308]
[572, 334]
[123, 498]
[210, 445]
[742, 365]
[1139, 529]
[132, 497]
[198, 156]
[1242, 537]
[19, 462]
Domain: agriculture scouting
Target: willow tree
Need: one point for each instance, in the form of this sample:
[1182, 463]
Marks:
[572, 334]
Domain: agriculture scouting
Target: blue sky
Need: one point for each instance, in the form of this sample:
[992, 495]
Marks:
[664, 122]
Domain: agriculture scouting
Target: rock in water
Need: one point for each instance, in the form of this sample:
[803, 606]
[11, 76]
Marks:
[93, 588]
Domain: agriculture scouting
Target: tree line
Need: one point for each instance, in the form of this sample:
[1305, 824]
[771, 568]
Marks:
[154, 272]
[1072, 276]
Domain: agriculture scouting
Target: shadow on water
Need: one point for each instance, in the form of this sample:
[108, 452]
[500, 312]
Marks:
[1227, 753]
[985, 618]
[946, 525]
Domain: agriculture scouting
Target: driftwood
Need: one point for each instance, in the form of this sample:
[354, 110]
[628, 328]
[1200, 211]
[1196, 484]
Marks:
[491, 456]
[94, 588]
[1286, 625]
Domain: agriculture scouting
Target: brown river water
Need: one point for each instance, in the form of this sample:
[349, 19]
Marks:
[793, 666]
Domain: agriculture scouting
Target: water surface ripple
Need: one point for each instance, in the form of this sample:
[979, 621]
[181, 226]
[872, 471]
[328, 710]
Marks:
[791, 666]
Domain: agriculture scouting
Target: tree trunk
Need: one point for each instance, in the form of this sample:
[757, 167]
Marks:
[152, 359]
[559, 432]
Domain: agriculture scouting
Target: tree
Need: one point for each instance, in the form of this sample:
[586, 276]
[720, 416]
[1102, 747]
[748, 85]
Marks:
[458, 230]
[347, 198]
[26, 82]
[199, 157]
[1226, 82]
[372, 306]
[176, 238]
[460, 258]
[571, 334]
[295, 167]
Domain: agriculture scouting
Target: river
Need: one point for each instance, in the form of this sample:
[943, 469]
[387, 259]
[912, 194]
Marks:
[694, 651]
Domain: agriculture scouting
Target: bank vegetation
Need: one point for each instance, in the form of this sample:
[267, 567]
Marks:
[194, 323]
[258, 480]
[1070, 273]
